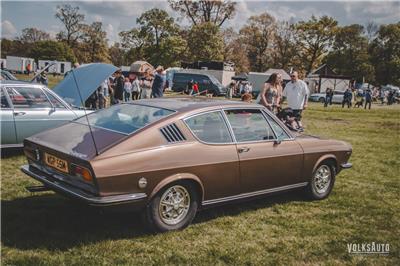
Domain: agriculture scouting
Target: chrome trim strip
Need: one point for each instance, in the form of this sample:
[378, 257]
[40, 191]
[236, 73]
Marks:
[255, 193]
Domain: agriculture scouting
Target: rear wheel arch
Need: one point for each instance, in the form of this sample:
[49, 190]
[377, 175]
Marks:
[187, 177]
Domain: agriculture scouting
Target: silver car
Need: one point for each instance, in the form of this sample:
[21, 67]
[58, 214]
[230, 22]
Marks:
[320, 97]
[27, 109]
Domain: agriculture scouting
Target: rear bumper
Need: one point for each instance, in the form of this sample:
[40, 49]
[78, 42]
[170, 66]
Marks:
[346, 165]
[76, 193]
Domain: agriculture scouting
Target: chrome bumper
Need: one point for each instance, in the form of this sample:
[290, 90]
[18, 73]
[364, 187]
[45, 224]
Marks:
[346, 165]
[76, 193]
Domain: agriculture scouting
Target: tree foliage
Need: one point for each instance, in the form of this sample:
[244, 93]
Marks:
[257, 35]
[52, 50]
[94, 43]
[315, 37]
[31, 35]
[205, 11]
[72, 21]
[205, 42]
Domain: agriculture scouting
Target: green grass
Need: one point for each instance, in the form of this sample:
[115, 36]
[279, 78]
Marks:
[53, 80]
[286, 229]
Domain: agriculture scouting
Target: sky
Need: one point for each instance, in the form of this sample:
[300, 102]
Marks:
[117, 16]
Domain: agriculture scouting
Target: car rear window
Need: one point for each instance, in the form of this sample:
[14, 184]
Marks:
[125, 118]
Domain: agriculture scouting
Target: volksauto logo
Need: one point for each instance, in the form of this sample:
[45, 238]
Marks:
[368, 248]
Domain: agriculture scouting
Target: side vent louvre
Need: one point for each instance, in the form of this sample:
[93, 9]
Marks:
[172, 133]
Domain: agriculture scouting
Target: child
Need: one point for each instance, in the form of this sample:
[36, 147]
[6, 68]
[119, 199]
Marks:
[127, 90]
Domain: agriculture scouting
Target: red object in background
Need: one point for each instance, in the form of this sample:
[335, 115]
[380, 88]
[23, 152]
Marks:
[196, 88]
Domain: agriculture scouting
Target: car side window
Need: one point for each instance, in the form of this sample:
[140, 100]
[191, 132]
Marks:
[209, 127]
[28, 97]
[54, 101]
[279, 131]
[249, 125]
[4, 102]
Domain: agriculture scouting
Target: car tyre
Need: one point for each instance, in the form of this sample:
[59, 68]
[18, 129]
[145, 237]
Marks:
[172, 208]
[322, 181]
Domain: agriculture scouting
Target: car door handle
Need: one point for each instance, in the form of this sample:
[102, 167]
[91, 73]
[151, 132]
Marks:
[19, 113]
[244, 149]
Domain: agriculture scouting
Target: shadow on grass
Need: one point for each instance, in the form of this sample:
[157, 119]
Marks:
[54, 223]
[10, 152]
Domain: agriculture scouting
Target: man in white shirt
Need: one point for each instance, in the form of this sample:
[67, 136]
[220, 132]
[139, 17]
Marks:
[296, 92]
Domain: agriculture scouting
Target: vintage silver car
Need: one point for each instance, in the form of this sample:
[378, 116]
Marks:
[30, 108]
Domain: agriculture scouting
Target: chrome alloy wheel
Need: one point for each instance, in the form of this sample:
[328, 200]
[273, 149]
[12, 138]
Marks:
[174, 205]
[322, 179]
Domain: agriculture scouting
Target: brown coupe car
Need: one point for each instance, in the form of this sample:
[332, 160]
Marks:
[173, 156]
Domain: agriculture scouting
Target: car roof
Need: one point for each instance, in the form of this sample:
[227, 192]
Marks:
[185, 104]
[18, 82]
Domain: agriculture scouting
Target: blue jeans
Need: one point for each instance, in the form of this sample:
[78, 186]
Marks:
[127, 96]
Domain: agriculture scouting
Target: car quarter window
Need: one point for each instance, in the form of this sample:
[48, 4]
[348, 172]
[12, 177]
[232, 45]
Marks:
[279, 131]
[4, 102]
[249, 125]
[54, 101]
[209, 127]
[28, 97]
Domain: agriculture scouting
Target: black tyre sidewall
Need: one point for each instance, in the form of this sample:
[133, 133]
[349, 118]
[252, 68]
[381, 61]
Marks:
[153, 218]
[310, 190]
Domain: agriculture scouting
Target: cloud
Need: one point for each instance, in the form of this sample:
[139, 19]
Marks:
[8, 30]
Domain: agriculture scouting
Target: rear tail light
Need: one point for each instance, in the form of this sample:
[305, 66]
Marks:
[81, 172]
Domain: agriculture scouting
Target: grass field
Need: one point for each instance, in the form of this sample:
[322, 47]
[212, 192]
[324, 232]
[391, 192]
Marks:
[286, 229]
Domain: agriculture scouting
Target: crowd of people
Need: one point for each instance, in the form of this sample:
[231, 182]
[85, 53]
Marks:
[117, 88]
[362, 98]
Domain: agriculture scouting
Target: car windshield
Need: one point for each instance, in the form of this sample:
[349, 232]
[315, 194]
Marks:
[125, 118]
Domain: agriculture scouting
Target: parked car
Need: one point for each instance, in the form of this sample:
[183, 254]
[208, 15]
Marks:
[320, 97]
[170, 157]
[205, 81]
[5, 75]
[29, 108]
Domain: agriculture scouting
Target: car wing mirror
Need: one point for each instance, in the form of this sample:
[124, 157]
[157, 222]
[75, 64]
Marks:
[277, 142]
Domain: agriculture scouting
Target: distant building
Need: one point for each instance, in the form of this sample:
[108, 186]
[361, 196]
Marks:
[58, 67]
[222, 71]
[324, 77]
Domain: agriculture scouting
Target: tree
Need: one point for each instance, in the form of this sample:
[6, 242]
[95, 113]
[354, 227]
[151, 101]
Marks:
[315, 37]
[285, 52]
[385, 54]
[31, 35]
[157, 39]
[205, 11]
[72, 20]
[95, 43]
[205, 42]
[235, 51]
[371, 30]
[52, 50]
[257, 35]
[118, 55]
[349, 55]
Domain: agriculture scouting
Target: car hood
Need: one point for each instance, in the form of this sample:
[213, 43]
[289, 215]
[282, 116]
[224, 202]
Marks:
[75, 139]
[83, 80]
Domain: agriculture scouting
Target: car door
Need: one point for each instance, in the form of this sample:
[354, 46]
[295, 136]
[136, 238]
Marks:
[33, 111]
[215, 155]
[265, 160]
[8, 136]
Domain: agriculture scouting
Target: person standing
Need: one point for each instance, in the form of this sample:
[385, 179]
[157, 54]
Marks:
[146, 86]
[296, 92]
[196, 88]
[368, 99]
[127, 90]
[230, 89]
[269, 94]
[157, 89]
[328, 96]
[347, 96]
[103, 94]
[118, 86]
[135, 88]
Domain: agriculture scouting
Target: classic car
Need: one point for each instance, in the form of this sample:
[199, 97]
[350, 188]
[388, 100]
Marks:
[28, 108]
[5, 75]
[170, 157]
